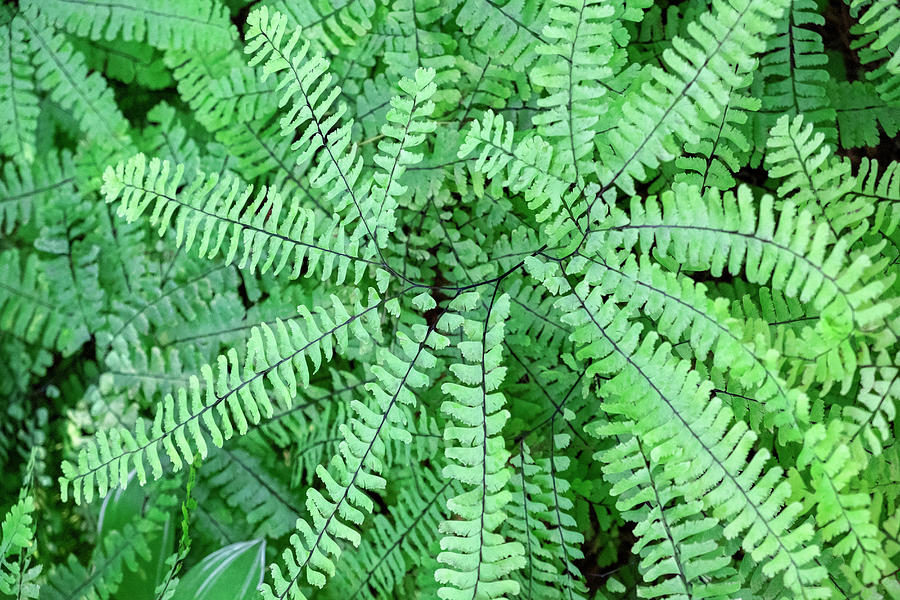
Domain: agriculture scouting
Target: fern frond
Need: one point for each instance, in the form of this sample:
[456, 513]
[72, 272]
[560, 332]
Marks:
[216, 215]
[876, 196]
[406, 128]
[523, 525]
[245, 484]
[540, 519]
[875, 408]
[233, 398]
[694, 436]
[842, 513]
[579, 47]
[703, 73]
[341, 507]
[810, 177]
[311, 430]
[119, 550]
[723, 147]
[24, 191]
[328, 24]
[414, 39]
[253, 138]
[127, 62]
[312, 121]
[531, 167]
[26, 312]
[681, 308]
[479, 560]
[18, 100]
[16, 547]
[167, 137]
[399, 542]
[879, 41]
[510, 31]
[184, 305]
[61, 73]
[678, 544]
[201, 24]
[790, 253]
[71, 264]
[792, 69]
[195, 73]
[861, 114]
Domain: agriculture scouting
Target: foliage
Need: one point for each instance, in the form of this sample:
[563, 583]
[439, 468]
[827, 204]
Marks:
[475, 299]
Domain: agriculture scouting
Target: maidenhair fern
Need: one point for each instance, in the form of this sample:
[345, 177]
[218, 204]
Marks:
[470, 300]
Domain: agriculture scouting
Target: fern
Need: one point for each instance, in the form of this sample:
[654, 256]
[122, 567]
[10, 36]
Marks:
[651, 384]
[253, 225]
[330, 25]
[20, 102]
[472, 299]
[791, 70]
[16, 544]
[273, 356]
[203, 25]
[355, 470]
[478, 559]
[62, 73]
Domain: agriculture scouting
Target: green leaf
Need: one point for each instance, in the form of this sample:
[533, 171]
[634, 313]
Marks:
[233, 572]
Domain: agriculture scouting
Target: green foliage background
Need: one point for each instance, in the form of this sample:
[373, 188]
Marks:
[459, 299]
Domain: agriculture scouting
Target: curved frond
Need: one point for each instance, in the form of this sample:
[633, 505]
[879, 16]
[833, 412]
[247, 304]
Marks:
[231, 399]
[673, 412]
[327, 23]
[789, 252]
[793, 69]
[703, 73]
